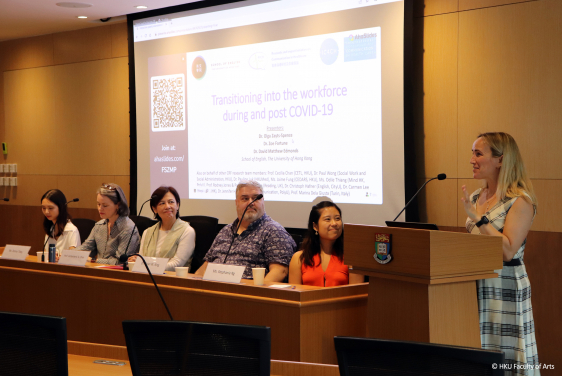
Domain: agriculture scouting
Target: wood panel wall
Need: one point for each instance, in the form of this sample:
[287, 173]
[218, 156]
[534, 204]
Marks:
[488, 66]
[481, 65]
[64, 113]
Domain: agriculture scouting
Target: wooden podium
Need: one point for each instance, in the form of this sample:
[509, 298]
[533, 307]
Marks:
[427, 293]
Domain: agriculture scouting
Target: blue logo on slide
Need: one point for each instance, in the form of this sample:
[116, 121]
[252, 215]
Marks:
[360, 47]
[329, 51]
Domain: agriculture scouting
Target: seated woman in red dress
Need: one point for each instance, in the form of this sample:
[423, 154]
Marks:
[320, 262]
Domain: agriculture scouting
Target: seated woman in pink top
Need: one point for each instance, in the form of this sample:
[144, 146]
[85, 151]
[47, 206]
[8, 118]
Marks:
[320, 263]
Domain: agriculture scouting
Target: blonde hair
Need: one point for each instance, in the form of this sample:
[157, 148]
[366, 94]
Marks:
[513, 180]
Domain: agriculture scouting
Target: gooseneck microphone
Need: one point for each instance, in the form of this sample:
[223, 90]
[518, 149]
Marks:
[51, 231]
[259, 197]
[132, 233]
[438, 177]
[124, 258]
[71, 201]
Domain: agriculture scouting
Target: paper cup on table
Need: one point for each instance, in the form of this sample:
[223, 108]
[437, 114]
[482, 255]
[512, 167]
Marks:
[39, 255]
[259, 275]
[131, 265]
[181, 271]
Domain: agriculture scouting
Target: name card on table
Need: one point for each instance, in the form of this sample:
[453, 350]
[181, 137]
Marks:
[74, 258]
[224, 273]
[15, 252]
[157, 265]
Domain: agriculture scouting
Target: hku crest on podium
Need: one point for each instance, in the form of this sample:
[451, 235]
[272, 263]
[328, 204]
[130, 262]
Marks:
[383, 248]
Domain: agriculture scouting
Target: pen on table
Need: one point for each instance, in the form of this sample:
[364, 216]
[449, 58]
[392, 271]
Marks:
[292, 288]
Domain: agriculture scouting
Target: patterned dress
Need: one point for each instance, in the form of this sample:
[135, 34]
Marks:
[504, 303]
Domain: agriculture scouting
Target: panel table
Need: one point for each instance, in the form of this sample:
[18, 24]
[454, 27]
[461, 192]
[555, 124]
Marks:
[95, 301]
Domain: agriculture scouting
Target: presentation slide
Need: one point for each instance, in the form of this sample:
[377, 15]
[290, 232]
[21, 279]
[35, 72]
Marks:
[274, 112]
[307, 100]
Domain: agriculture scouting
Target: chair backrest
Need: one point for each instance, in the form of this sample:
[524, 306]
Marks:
[84, 226]
[142, 223]
[369, 356]
[298, 240]
[205, 233]
[32, 345]
[195, 348]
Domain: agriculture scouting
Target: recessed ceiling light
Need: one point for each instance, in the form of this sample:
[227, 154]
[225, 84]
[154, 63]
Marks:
[82, 17]
[74, 5]
[141, 6]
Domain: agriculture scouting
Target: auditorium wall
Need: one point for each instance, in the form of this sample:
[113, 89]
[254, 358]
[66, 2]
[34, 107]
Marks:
[64, 113]
[481, 65]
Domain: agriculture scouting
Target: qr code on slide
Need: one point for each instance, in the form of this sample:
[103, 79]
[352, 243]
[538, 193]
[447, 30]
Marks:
[167, 97]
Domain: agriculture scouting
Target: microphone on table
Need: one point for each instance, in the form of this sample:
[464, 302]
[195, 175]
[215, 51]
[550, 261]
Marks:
[125, 267]
[438, 177]
[259, 197]
[124, 258]
[43, 254]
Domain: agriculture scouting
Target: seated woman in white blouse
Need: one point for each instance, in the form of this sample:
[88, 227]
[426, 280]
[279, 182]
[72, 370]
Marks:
[59, 230]
[171, 237]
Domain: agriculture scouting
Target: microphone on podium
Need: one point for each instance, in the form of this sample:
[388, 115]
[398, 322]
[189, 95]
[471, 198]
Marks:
[438, 177]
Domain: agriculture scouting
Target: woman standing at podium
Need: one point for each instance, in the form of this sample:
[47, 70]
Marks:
[505, 206]
[109, 238]
[320, 263]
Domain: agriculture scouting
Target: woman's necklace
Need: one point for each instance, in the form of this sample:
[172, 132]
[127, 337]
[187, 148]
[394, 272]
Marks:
[488, 202]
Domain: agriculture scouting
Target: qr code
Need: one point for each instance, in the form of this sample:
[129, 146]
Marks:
[168, 103]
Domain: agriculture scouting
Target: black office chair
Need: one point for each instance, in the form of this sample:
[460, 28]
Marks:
[369, 356]
[196, 348]
[32, 345]
[298, 240]
[142, 223]
[205, 233]
[84, 226]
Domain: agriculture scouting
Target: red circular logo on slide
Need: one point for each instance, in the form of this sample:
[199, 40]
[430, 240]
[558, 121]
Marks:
[199, 67]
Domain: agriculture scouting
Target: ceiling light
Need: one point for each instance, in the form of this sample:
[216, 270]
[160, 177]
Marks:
[82, 17]
[74, 5]
[141, 7]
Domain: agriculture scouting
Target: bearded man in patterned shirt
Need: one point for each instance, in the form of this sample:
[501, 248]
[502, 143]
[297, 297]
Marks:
[260, 241]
